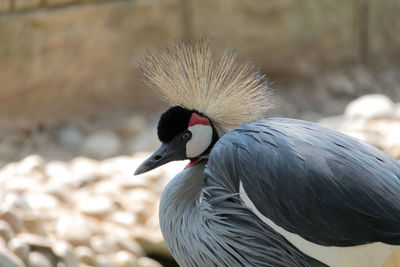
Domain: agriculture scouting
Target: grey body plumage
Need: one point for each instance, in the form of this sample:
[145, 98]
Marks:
[205, 224]
[263, 192]
[329, 188]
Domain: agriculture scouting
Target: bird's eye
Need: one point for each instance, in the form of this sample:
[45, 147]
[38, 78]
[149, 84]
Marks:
[186, 136]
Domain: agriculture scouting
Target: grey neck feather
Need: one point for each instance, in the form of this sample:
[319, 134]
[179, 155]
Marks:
[208, 226]
[179, 210]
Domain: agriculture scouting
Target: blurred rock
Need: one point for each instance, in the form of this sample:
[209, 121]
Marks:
[30, 164]
[8, 259]
[34, 240]
[389, 132]
[128, 244]
[70, 136]
[84, 171]
[141, 202]
[131, 127]
[20, 249]
[101, 145]
[373, 119]
[102, 245]
[332, 122]
[58, 172]
[145, 141]
[13, 201]
[112, 231]
[83, 213]
[33, 222]
[37, 259]
[147, 262]
[129, 182]
[370, 106]
[42, 201]
[85, 255]
[104, 261]
[151, 240]
[107, 188]
[59, 191]
[340, 84]
[12, 218]
[75, 228]
[96, 206]
[125, 259]
[123, 218]
[65, 252]
[6, 232]
[397, 110]
[119, 165]
[21, 184]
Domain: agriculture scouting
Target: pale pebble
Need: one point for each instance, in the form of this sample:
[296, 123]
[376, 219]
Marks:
[147, 262]
[34, 240]
[131, 127]
[70, 136]
[125, 259]
[30, 164]
[107, 187]
[102, 245]
[8, 259]
[96, 205]
[13, 219]
[42, 201]
[75, 228]
[19, 248]
[103, 261]
[21, 184]
[65, 251]
[6, 232]
[33, 222]
[85, 255]
[123, 218]
[37, 259]
[101, 145]
[370, 106]
[130, 245]
[84, 170]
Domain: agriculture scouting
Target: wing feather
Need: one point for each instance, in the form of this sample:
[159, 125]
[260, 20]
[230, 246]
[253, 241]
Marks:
[327, 187]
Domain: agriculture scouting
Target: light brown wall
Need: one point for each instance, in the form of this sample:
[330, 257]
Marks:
[68, 58]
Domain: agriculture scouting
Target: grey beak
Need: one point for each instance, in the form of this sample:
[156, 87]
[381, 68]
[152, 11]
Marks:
[165, 153]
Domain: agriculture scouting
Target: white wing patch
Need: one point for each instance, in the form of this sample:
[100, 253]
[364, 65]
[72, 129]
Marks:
[201, 140]
[369, 255]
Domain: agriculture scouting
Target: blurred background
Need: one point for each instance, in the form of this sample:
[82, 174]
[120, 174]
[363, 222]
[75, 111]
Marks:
[76, 119]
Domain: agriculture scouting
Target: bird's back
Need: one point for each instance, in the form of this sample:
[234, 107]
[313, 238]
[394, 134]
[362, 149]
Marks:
[326, 187]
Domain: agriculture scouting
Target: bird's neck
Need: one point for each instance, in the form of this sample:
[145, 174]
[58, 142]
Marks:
[183, 191]
[179, 206]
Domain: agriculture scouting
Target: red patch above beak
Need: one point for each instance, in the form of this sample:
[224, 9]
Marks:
[197, 119]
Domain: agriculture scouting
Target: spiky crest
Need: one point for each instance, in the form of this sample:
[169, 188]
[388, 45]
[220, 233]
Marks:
[191, 76]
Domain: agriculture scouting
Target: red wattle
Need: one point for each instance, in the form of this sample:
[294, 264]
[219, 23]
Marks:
[192, 163]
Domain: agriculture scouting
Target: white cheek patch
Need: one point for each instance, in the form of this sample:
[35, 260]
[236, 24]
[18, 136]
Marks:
[201, 140]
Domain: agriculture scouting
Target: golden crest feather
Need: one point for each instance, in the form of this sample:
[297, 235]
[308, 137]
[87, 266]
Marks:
[191, 76]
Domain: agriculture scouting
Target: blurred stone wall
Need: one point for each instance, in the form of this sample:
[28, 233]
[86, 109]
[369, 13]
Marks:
[62, 59]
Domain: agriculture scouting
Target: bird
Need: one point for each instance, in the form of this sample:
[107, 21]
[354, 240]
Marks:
[259, 190]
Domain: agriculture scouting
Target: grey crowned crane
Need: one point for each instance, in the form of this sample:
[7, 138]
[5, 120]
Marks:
[263, 191]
